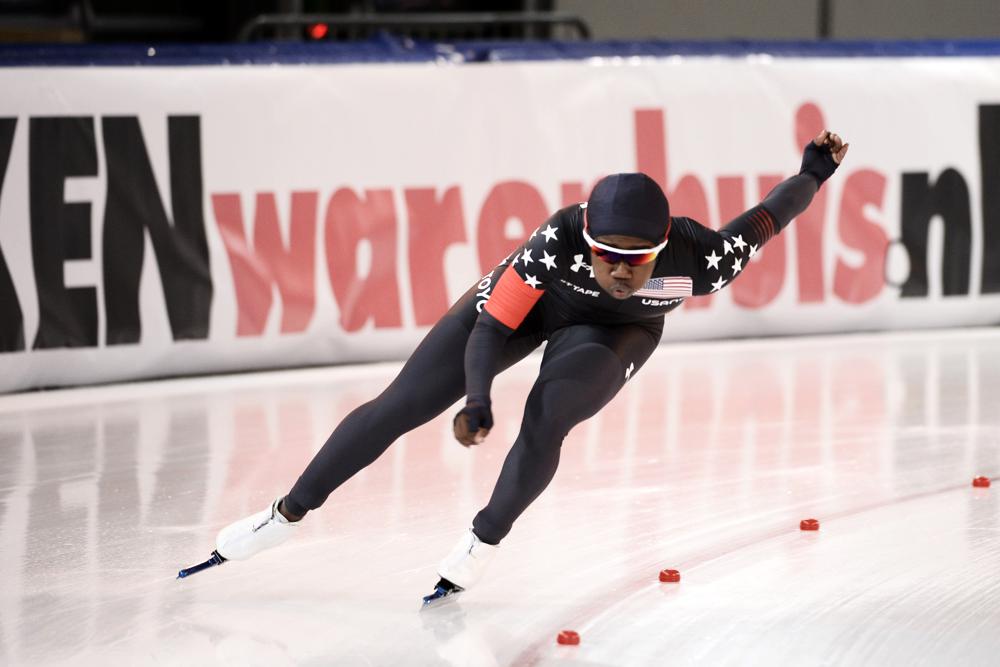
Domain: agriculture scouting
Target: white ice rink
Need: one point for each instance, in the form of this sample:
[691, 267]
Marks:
[706, 463]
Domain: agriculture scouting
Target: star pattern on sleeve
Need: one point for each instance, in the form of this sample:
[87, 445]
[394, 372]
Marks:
[539, 263]
[713, 260]
[548, 260]
[719, 275]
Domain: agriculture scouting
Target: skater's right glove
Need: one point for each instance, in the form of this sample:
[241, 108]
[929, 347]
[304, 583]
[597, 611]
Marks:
[473, 422]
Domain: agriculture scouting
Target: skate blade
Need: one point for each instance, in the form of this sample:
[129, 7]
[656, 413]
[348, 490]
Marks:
[441, 597]
[216, 559]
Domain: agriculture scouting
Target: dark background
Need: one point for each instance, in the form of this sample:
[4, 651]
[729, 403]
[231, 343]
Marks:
[221, 21]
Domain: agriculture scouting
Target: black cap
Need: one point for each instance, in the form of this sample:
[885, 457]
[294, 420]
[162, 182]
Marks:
[630, 205]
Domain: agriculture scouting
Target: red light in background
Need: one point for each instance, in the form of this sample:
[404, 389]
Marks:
[318, 30]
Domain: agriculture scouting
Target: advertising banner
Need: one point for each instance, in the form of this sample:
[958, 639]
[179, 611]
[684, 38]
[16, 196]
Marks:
[184, 220]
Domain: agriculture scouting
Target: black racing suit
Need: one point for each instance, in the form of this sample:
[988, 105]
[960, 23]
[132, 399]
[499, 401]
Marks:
[595, 343]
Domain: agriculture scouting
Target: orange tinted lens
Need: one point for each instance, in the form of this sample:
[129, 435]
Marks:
[630, 259]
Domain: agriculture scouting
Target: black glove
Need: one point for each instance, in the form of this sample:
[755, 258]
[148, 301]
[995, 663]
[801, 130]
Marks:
[817, 161]
[477, 412]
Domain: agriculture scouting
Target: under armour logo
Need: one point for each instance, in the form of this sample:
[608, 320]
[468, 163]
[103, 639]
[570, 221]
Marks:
[628, 371]
[578, 264]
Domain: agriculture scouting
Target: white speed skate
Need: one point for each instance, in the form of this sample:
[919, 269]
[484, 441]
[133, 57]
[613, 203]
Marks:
[246, 537]
[462, 567]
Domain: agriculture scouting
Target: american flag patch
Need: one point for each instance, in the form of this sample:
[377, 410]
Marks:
[671, 287]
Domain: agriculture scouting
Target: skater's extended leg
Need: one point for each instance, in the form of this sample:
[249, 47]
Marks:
[431, 380]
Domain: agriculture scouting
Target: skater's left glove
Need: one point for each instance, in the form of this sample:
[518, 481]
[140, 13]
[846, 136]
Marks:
[473, 422]
[823, 155]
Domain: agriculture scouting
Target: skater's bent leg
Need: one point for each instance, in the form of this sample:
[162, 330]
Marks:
[569, 390]
[583, 368]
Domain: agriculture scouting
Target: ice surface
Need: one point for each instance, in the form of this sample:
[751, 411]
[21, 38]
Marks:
[705, 463]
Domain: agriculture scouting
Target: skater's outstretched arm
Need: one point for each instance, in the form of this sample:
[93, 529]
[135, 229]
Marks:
[789, 198]
[723, 254]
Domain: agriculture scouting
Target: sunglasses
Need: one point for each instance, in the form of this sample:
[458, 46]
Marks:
[613, 255]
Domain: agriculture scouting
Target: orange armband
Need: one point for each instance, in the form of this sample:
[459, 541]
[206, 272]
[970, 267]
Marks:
[512, 299]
